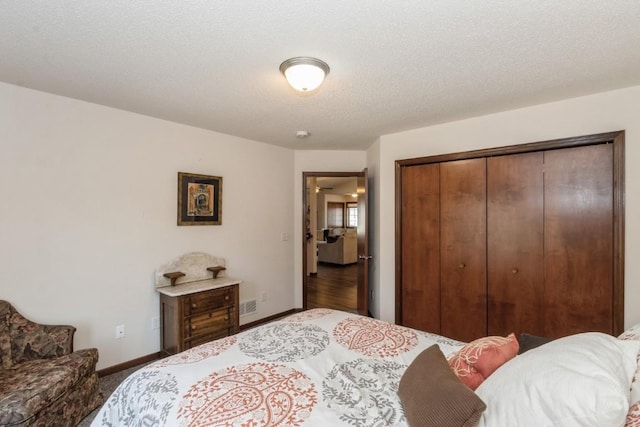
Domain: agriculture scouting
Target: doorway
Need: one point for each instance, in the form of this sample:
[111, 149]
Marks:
[335, 253]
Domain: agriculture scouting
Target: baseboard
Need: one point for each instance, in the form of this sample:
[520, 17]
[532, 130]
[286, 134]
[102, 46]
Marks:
[268, 319]
[130, 364]
[156, 356]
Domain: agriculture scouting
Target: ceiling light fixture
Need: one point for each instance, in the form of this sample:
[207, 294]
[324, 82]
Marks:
[303, 73]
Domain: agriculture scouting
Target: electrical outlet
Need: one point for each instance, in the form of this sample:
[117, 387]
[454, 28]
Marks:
[284, 237]
[120, 331]
[155, 323]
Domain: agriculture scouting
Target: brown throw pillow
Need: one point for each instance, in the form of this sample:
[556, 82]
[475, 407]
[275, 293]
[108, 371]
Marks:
[432, 395]
[529, 342]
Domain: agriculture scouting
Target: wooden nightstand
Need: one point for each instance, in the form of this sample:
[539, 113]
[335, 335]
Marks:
[198, 312]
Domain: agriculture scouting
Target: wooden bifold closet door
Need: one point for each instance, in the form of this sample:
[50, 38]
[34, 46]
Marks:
[578, 240]
[518, 240]
[463, 260]
[421, 267]
[515, 244]
[444, 272]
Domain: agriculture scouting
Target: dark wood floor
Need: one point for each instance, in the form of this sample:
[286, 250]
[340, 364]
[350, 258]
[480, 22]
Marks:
[334, 287]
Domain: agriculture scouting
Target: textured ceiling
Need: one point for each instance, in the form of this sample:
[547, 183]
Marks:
[394, 65]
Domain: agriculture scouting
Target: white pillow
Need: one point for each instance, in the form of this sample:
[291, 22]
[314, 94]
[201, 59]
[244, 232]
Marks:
[579, 380]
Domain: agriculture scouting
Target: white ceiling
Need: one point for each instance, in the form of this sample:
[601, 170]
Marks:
[394, 65]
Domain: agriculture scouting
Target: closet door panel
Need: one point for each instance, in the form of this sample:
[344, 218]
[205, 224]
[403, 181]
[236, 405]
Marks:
[463, 249]
[515, 230]
[578, 240]
[421, 247]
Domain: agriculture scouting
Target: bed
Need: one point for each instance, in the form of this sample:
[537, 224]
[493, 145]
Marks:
[330, 368]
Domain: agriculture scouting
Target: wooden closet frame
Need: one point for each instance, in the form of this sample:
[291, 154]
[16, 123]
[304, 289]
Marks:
[616, 138]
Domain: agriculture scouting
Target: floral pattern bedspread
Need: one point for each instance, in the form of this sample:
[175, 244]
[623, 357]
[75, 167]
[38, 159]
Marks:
[315, 368]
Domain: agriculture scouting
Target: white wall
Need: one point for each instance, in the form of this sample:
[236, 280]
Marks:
[315, 161]
[88, 211]
[604, 112]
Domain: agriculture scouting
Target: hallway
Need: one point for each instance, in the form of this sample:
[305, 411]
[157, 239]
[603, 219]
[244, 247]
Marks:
[334, 287]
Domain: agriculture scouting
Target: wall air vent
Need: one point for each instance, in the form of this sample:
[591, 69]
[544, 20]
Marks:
[248, 307]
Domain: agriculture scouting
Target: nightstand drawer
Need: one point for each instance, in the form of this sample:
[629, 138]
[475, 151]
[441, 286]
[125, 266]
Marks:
[209, 322]
[204, 302]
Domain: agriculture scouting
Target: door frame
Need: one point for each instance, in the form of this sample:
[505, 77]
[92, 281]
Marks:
[363, 255]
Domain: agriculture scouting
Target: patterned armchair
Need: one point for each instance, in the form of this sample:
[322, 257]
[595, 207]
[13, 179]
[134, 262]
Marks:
[43, 382]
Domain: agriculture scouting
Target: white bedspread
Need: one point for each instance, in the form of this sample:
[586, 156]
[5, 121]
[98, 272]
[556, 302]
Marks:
[315, 368]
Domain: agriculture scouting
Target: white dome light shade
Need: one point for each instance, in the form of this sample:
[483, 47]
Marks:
[304, 74]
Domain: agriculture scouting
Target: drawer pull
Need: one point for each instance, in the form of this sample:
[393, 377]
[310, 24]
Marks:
[514, 271]
[226, 297]
[194, 305]
[193, 327]
[461, 265]
[226, 318]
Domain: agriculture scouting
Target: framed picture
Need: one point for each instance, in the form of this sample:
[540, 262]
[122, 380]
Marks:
[199, 199]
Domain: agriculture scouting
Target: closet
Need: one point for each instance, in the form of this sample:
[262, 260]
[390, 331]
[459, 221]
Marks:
[525, 238]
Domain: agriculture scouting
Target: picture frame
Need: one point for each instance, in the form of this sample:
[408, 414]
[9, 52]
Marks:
[199, 199]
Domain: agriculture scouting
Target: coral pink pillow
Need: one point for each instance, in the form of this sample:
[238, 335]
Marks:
[480, 358]
[633, 416]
